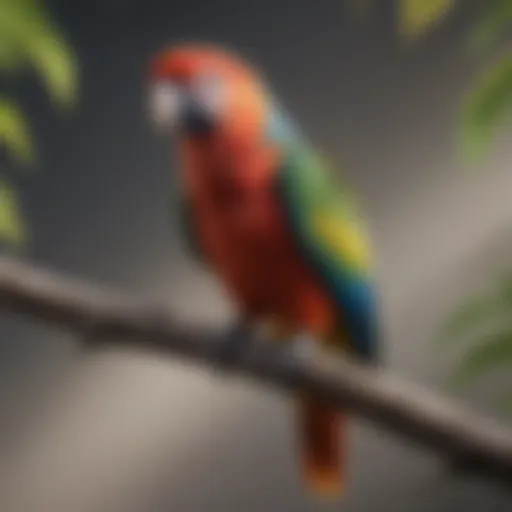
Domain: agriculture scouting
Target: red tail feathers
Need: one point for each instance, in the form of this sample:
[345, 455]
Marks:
[323, 445]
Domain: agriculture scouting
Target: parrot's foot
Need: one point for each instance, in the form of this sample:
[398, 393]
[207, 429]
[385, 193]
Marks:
[232, 344]
[296, 353]
[304, 347]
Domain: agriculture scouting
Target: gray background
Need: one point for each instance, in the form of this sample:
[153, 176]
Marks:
[114, 431]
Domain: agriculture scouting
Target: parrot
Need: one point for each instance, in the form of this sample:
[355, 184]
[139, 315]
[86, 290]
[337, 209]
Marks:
[260, 207]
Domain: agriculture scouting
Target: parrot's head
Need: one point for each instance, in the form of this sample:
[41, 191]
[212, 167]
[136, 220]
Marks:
[196, 90]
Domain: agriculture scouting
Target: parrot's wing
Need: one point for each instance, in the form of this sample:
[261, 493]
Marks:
[186, 229]
[331, 238]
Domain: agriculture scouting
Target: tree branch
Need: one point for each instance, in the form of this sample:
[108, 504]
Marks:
[409, 411]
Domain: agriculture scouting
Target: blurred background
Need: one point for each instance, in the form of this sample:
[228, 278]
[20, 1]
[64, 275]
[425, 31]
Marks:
[382, 87]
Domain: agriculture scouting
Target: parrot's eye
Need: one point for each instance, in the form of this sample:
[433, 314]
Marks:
[165, 104]
[209, 92]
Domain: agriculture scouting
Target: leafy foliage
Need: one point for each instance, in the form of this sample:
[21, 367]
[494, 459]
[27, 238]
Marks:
[487, 108]
[29, 40]
[415, 17]
[28, 37]
[495, 22]
[484, 323]
[12, 228]
[485, 320]
[494, 351]
[14, 132]
[477, 313]
[488, 103]
[488, 316]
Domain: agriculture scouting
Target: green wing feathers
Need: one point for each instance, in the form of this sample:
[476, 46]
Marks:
[329, 232]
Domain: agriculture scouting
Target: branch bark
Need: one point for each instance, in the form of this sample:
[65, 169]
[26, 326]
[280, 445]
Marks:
[409, 411]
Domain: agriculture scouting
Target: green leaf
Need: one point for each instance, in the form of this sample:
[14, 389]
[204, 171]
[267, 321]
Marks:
[53, 58]
[415, 17]
[10, 54]
[11, 224]
[14, 132]
[31, 37]
[495, 22]
[504, 402]
[468, 318]
[486, 109]
[11, 58]
[477, 312]
[490, 354]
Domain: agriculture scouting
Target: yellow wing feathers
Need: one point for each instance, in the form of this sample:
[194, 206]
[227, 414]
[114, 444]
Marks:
[344, 238]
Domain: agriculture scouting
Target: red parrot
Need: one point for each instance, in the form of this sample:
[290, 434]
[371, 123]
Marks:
[260, 208]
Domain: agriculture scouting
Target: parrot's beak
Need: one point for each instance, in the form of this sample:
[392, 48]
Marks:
[173, 109]
[196, 120]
